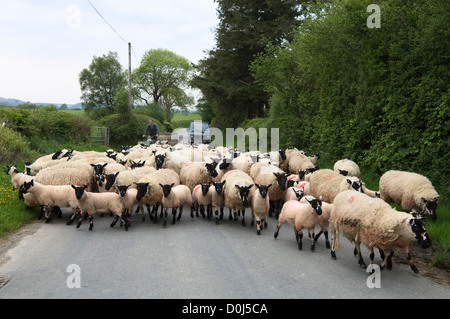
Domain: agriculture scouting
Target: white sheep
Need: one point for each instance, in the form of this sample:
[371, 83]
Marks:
[272, 175]
[347, 167]
[193, 174]
[129, 201]
[237, 192]
[218, 199]
[17, 178]
[299, 162]
[294, 193]
[50, 196]
[201, 198]
[91, 203]
[260, 205]
[328, 183]
[324, 220]
[374, 223]
[301, 216]
[412, 191]
[175, 197]
[151, 193]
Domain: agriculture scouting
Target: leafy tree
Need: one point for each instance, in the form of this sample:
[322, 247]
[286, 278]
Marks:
[245, 28]
[101, 82]
[162, 78]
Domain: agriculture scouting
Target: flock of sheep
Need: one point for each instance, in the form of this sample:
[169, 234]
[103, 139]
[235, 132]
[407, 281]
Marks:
[286, 185]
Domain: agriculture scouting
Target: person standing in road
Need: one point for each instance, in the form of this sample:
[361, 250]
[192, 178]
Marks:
[151, 130]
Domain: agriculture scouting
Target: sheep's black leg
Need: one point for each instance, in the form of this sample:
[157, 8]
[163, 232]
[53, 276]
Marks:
[91, 222]
[276, 232]
[180, 213]
[243, 218]
[174, 213]
[217, 217]
[192, 210]
[299, 236]
[361, 262]
[116, 218]
[165, 218]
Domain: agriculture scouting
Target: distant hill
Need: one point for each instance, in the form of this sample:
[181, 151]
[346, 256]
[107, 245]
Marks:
[15, 102]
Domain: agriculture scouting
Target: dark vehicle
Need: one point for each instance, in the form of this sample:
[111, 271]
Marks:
[199, 132]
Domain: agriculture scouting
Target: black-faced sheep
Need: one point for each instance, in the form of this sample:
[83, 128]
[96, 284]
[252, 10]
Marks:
[260, 206]
[175, 197]
[91, 203]
[237, 192]
[412, 191]
[374, 223]
[193, 174]
[301, 216]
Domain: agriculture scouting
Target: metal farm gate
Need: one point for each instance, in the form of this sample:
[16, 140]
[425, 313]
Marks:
[100, 135]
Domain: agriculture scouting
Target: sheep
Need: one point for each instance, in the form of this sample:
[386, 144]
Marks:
[412, 191]
[324, 220]
[175, 197]
[129, 201]
[127, 177]
[33, 169]
[17, 178]
[272, 175]
[91, 203]
[347, 168]
[201, 197]
[218, 200]
[294, 193]
[374, 223]
[301, 216]
[193, 174]
[107, 168]
[237, 192]
[51, 196]
[149, 190]
[299, 162]
[328, 183]
[260, 207]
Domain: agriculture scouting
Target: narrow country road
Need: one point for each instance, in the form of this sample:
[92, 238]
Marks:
[194, 259]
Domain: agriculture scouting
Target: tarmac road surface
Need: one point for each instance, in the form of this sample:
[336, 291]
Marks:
[194, 259]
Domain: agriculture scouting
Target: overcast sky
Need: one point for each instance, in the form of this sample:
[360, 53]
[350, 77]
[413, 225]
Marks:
[45, 44]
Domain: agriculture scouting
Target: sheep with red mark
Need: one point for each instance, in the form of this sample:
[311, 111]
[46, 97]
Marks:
[374, 223]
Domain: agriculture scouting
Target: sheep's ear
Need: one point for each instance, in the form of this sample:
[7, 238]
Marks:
[104, 165]
[237, 186]
[92, 165]
[257, 186]
[250, 186]
[349, 181]
[224, 182]
[172, 184]
[269, 186]
[276, 174]
[161, 185]
[73, 186]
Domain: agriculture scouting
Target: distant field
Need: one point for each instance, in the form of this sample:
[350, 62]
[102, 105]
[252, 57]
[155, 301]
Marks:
[185, 117]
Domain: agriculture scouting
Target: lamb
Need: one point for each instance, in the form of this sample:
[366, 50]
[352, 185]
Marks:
[50, 196]
[328, 184]
[107, 168]
[201, 197]
[193, 174]
[272, 175]
[175, 197]
[91, 203]
[301, 216]
[324, 220]
[149, 190]
[294, 193]
[17, 179]
[412, 191]
[129, 201]
[347, 168]
[374, 223]
[237, 192]
[260, 207]
[33, 169]
[218, 200]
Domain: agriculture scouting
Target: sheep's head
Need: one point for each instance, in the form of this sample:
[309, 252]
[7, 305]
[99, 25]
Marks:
[26, 187]
[110, 180]
[211, 169]
[418, 228]
[299, 194]
[205, 188]
[123, 189]
[79, 191]
[430, 206]
[10, 170]
[263, 189]
[159, 161]
[99, 168]
[343, 172]
[357, 185]
[134, 165]
[281, 179]
[244, 192]
[316, 204]
[166, 189]
[142, 189]
[219, 187]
